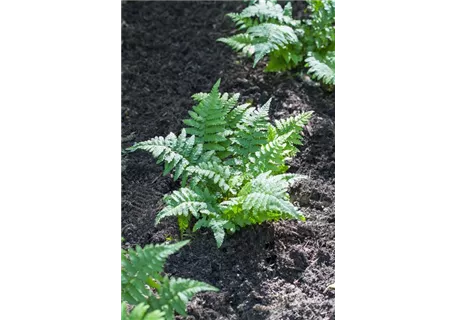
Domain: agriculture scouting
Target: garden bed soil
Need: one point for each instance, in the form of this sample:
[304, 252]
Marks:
[277, 270]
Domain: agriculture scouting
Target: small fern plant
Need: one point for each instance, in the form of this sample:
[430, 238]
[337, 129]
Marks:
[231, 162]
[145, 286]
[270, 30]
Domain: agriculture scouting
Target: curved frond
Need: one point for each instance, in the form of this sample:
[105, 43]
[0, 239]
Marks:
[177, 153]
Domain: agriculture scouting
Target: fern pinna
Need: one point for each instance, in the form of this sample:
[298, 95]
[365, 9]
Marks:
[270, 30]
[144, 286]
[231, 167]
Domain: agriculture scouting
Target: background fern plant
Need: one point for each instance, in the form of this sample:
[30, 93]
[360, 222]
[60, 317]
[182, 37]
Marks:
[232, 166]
[144, 286]
[320, 41]
[270, 30]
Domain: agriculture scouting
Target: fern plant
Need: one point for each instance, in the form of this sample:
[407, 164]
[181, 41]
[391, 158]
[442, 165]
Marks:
[270, 30]
[144, 285]
[232, 166]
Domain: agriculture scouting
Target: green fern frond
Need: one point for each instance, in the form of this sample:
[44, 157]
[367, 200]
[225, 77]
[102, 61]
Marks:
[286, 58]
[265, 198]
[263, 203]
[269, 37]
[217, 224]
[143, 283]
[271, 156]
[236, 114]
[292, 126]
[208, 119]
[323, 70]
[141, 267]
[240, 42]
[267, 11]
[186, 202]
[251, 131]
[276, 185]
[178, 293]
[213, 172]
[177, 153]
[262, 39]
[288, 10]
[200, 96]
[229, 102]
[139, 312]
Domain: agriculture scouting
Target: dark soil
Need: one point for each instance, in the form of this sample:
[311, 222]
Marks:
[271, 271]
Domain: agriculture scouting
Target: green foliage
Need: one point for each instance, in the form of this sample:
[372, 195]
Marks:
[262, 199]
[323, 70]
[320, 41]
[177, 153]
[320, 29]
[270, 30]
[144, 285]
[140, 313]
[232, 167]
[208, 119]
